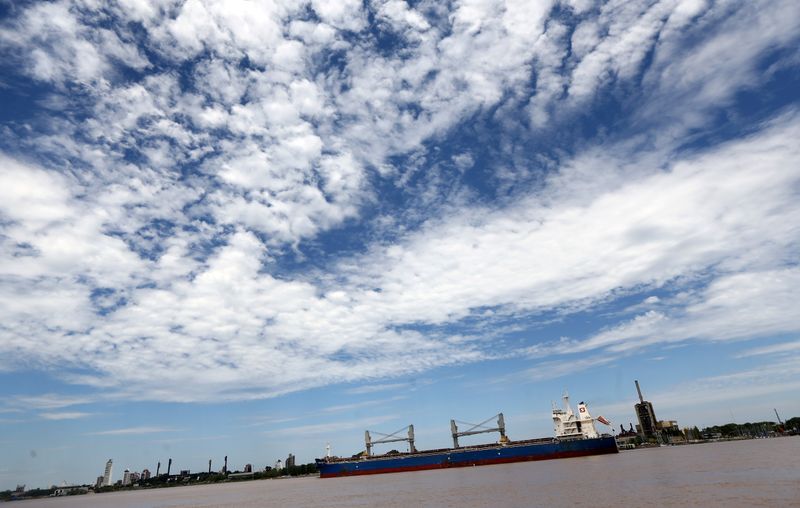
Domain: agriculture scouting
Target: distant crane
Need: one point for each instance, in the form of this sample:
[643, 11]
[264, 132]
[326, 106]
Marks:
[780, 422]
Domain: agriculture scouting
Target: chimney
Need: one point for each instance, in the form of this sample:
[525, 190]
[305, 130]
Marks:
[158, 468]
[169, 466]
[641, 399]
[209, 466]
[225, 467]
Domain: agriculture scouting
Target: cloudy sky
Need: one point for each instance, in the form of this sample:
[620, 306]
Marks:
[254, 227]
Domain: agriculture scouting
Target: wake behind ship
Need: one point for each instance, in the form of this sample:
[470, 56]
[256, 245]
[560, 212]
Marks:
[575, 436]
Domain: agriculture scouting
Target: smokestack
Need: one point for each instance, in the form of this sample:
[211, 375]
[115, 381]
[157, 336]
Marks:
[169, 466]
[225, 467]
[209, 466]
[158, 468]
[641, 399]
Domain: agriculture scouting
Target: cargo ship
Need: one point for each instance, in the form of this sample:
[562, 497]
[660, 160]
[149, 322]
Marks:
[575, 436]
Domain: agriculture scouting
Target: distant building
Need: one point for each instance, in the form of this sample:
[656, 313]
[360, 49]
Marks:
[146, 474]
[185, 472]
[671, 432]
[279, 464]
[669, 425]
[126, 477]
[647, 417]
[289, 461]
[66, 490]
[248, 468]
[99, 482]
[107, 474]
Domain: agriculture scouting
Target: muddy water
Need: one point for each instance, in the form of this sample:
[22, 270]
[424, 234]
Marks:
[728, 474]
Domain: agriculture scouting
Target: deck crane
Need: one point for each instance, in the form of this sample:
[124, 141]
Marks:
[394, 437]
[479, 428]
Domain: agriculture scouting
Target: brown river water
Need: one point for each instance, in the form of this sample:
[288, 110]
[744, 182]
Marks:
[763, 472]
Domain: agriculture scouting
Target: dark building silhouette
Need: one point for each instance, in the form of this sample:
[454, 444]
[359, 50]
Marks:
[289, 461]
[646, 415]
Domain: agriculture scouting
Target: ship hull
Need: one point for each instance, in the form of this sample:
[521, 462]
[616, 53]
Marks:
[470, 456]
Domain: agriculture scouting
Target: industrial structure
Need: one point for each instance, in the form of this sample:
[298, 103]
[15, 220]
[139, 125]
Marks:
[647, 417]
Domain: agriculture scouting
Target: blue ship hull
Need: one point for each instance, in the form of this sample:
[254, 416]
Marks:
[519, 451]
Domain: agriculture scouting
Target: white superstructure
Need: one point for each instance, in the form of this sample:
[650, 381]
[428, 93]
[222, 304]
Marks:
[568, 425]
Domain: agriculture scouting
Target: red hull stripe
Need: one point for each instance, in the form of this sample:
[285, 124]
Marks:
[485, 462]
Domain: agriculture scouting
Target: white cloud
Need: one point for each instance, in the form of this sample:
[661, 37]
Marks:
[257, 335]
[332, 428]
[133, 431]
[64, 415]
[58, 46]
[372, 388]
[774, 349]
[50, 401]
[740, 306]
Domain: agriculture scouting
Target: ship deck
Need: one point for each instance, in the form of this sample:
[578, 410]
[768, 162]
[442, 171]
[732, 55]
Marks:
[437, 451]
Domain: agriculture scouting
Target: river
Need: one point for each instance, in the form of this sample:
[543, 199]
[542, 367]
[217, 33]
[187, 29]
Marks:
[763, 472]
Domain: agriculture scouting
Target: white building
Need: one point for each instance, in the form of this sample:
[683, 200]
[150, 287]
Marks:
[107, 474]
[127, 477]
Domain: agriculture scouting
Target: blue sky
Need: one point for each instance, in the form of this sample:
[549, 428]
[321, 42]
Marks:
[251, 228]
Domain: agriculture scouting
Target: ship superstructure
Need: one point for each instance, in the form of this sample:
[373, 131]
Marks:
[575, 436]
[568, 425]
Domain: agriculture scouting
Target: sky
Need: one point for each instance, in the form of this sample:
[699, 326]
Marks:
[251, 228]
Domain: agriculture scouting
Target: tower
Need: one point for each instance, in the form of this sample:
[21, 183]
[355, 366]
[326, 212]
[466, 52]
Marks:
[107, 473]
[646, 416]
[169, 466]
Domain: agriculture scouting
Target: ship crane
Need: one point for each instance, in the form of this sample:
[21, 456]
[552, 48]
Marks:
[394, 437]
[479, 428]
